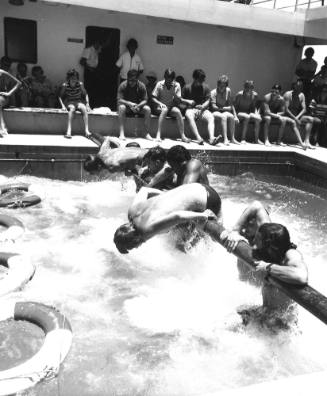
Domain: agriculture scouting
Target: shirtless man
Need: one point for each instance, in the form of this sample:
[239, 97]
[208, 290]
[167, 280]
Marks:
[113, 157]
[187, 169]
[274, 109]
[147, 166]
[245, 106]
[296, 112]
[279, 258]
[153, 212]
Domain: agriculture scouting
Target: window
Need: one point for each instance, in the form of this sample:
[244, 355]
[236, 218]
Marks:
[20, 40]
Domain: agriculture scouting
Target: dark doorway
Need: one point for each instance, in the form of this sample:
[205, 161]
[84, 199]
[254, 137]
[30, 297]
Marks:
[107, 73]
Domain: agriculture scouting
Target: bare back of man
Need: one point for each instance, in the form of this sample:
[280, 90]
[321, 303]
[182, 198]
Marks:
[191, 197]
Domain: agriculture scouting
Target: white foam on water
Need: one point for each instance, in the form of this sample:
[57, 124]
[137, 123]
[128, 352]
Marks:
[158, 321]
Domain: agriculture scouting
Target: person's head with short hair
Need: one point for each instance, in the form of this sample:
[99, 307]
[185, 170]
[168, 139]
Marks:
[309, 52]
[133, 144]
[276, 90]
[199, 76]
[93, 164]
[72, 77]
[127, 237]
[298, 85]
[181, 81]
[169, 77]
[151, 77]
[222, 83]
[177, 157]
[155, 159]
[97, 45]
[132, 77]
[22, 69]
[5, 63]
[271, 242]
[132, 46]
[248, 87]
[37, 72]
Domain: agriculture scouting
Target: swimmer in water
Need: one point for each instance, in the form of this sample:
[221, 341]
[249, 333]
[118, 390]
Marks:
[153, 212]
[146, 165]
[186, 168]
[278, 257]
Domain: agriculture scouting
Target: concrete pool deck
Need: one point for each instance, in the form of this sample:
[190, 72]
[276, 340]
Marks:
[56, 148]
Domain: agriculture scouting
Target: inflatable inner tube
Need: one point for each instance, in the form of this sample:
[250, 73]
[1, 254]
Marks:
[15, 228]
[20, 271]
[45, 364]
[13, 195]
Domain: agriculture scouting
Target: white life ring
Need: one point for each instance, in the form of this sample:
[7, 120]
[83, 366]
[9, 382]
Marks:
[17, 202]
[20, 271]
[15, 228]
[45, 364]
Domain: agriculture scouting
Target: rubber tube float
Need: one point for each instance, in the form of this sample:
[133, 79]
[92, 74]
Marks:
[45, 364]
[17, 202]
[15, 228]
[308, 297]
[20, 271]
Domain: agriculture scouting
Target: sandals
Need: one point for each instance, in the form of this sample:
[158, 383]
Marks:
[68, 136]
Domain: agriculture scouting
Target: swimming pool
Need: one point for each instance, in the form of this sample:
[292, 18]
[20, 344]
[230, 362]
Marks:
[157, 321]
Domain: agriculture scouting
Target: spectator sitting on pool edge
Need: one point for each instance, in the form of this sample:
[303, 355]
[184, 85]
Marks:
[72, 97]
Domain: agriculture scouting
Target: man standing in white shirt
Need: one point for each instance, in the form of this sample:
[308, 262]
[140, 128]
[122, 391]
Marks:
[90, 60]
[129, 60]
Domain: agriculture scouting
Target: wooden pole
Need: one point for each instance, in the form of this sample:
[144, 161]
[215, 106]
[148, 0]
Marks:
[306, 296]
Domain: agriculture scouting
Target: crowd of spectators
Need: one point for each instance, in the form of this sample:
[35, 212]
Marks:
[305, 106]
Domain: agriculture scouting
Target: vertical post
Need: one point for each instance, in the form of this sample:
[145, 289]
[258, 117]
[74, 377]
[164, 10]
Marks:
[296, 4]
[275, 3]
[309, 4]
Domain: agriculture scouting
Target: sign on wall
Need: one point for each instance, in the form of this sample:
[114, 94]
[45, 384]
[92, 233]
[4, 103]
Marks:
[166, 40]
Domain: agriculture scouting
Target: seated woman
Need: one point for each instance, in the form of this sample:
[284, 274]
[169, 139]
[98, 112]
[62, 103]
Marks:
[223, 109]
[246, 106]
[72, 97]
[153, 212]
[6, 90]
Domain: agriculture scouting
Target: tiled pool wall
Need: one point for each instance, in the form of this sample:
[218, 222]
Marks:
[287, 167]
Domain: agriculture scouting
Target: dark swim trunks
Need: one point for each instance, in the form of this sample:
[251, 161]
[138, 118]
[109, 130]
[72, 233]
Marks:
[213, 199]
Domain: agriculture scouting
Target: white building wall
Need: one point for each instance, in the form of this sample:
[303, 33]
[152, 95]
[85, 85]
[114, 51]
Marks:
[242, 54]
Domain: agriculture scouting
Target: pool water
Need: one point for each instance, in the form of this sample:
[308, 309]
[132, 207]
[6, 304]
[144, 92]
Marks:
[157, 321]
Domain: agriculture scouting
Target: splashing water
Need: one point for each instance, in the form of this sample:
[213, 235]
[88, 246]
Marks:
[158, 321]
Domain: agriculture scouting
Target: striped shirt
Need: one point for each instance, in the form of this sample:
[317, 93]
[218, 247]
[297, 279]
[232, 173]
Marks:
[74, 94]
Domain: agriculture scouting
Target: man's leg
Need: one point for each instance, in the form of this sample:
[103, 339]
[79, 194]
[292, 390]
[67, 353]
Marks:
[3, 129]
[257, 120]
[266, 125]
[71, 111]
[281, 129]
[308, 124]
[245, 119]
[162, 116]
[122, 118]
[231, 122]
[209, 119]
[190, 116]
[147, 119]
[223, 120]
[175, 112]
[297, 132]
[82, 108]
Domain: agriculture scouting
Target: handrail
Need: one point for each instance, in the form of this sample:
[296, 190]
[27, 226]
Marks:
[309, 298]
[297, 4]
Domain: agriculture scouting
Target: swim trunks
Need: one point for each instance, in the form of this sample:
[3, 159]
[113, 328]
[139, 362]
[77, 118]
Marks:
[213, 199]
